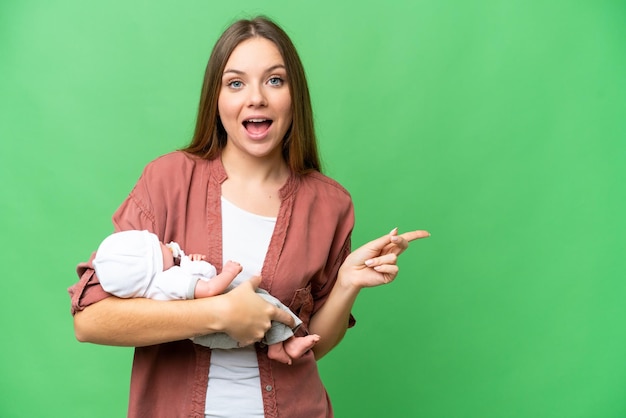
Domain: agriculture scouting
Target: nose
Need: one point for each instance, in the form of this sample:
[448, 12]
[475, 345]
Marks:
[256, 97]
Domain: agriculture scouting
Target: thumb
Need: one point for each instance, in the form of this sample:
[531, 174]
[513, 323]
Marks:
[379, 243]
[255, 281]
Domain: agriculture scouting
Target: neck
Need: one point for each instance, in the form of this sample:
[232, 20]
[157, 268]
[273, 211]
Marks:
[269, 169]
[254, 184]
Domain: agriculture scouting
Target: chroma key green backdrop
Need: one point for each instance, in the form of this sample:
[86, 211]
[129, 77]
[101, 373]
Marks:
[498, 125]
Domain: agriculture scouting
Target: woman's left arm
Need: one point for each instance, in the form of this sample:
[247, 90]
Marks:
[371, 265]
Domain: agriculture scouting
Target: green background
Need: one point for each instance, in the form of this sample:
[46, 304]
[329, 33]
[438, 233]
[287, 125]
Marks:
[497, 125]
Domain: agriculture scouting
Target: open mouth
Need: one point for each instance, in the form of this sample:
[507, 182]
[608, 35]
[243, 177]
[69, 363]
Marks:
[257, 126]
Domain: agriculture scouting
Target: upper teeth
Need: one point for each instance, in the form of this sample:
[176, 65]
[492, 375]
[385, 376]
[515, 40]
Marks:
[256, 120]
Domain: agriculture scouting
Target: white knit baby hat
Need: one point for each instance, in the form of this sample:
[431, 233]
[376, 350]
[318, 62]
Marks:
[127, 261]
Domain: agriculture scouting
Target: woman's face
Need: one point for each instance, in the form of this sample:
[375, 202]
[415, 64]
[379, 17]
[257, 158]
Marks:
[254, 102]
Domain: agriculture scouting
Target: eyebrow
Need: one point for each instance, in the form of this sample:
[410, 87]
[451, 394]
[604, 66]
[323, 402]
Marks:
[239, 72]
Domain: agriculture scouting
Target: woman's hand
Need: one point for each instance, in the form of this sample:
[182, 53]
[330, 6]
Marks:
[371, 265]
[247, 316]
[374, 263]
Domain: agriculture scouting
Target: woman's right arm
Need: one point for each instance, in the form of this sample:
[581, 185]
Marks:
[241, 313]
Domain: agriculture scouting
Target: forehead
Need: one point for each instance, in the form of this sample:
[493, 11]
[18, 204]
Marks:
[254, 54]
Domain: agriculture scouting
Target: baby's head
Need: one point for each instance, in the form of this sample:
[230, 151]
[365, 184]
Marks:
[135, 255]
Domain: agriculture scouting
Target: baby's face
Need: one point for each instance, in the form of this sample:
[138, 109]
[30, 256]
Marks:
[168, 257]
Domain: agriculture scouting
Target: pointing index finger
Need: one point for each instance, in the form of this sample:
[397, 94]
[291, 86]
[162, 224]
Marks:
[413, 235]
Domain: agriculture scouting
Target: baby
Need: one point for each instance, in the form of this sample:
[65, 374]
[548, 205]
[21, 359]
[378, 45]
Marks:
[136, 264]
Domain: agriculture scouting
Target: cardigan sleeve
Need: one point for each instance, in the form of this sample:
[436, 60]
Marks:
[132, 214]
[137, 212]
[87, 290]
[340, 249]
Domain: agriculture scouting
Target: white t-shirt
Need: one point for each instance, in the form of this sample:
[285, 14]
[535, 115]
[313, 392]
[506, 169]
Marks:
[234, 383]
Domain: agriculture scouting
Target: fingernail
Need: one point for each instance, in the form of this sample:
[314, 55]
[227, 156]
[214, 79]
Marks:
[369, 262]
[393, 231]
[394, 238]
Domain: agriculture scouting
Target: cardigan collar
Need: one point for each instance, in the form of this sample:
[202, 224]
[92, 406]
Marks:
[218, 172]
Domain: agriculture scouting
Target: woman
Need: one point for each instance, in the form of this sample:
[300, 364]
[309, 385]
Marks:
[247, 188]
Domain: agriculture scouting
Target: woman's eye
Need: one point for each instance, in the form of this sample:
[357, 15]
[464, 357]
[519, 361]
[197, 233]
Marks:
[236, 84]
[275, 81]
